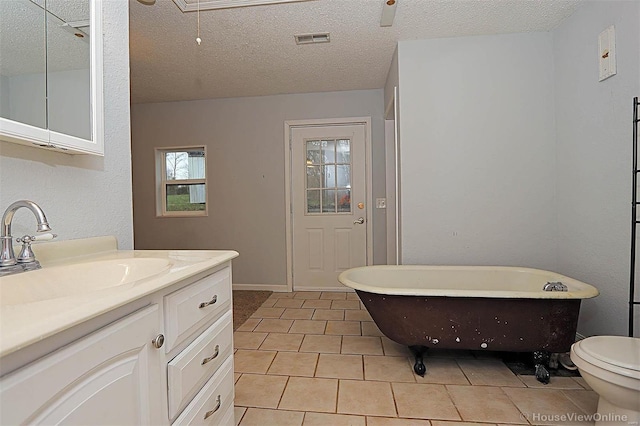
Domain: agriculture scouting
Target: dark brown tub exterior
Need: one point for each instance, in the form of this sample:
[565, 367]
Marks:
[492, 324]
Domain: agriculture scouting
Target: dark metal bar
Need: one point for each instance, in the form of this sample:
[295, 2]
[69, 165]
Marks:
[634, 221]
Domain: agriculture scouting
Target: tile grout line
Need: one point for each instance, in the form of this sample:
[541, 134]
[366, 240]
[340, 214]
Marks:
[446, 389]
[523, 415]
[282, 394]
[395, 403]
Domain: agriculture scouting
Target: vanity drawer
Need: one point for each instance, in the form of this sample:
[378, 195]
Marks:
[212, 404]
[193, 306]
[188, 371]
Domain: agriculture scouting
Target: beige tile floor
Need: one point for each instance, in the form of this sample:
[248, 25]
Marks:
[317, 358]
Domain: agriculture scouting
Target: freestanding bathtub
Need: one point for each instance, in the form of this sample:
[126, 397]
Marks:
[471, 307]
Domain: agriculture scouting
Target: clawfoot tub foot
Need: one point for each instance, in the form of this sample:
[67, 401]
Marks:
[418, 351]
[541, 360]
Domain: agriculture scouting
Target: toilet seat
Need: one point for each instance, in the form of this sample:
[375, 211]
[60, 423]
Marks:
[614, 353]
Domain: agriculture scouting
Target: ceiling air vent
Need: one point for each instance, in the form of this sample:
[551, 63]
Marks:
[312, 38]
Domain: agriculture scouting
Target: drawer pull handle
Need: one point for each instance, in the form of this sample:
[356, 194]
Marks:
[210, 413]
[158, 341]
[212, 357]
[210, 302]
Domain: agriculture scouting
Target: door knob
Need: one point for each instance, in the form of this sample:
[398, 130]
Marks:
[358, 221]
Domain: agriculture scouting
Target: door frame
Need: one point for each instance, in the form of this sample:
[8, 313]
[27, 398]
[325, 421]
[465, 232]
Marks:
[289, 125]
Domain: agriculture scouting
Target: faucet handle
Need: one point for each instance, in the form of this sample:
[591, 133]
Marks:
[30, 239]
[26, 254]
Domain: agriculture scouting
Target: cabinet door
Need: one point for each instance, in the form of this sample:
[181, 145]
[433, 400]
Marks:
[112, 376]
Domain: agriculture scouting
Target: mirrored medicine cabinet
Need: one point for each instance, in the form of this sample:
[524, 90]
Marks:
[51, 74]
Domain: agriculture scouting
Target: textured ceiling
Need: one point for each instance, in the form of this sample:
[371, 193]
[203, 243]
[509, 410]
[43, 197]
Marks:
[250, 51]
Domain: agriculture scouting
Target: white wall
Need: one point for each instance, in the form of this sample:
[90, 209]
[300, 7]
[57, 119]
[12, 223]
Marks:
[392, 148]
[246, 183]
[82, 196]
[478, 150]
[390, 84]
[594, 155]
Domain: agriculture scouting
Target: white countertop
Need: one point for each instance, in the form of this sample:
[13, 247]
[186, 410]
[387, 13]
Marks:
[22, 324]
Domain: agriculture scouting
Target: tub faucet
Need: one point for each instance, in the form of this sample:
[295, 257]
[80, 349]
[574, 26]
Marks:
[7, 256]
[555, 286]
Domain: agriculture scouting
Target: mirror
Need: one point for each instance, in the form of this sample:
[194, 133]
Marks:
[46, 78]
[68, 67]
[23, 86]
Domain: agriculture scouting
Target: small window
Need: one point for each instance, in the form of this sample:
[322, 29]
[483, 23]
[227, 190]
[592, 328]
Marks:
[181, 181]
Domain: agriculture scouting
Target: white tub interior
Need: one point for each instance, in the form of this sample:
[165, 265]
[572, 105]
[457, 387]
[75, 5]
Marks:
[463, 281]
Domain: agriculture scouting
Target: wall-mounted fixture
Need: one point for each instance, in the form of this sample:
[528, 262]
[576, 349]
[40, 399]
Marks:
[64, 44]
[388, 12]
[192, 6]
[80, 29]
[312, 38]
[607, 53]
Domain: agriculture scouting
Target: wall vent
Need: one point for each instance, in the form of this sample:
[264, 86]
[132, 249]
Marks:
[312, 38]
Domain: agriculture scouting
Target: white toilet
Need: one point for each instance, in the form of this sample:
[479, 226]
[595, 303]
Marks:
[611, 366]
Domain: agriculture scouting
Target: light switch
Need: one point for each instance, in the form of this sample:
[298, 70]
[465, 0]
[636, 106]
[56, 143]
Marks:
[381, 203]
[607, 53]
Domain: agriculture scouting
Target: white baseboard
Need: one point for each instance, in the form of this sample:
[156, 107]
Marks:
[278, 288]
[580, 337]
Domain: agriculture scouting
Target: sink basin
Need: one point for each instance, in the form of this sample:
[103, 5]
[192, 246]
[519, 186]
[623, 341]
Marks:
[61, 281]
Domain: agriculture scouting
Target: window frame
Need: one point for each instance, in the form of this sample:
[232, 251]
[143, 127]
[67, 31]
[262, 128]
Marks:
[162, 182]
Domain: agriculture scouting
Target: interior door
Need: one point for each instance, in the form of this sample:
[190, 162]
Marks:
[329, 205]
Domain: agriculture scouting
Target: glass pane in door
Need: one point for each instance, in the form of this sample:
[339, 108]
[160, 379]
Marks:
[328, 201]
[313, 201]
[344, 201]
[313, 152]
[343, 151]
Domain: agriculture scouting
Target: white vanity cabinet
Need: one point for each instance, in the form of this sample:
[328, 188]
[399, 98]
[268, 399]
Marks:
[108, 377]
[169, 362]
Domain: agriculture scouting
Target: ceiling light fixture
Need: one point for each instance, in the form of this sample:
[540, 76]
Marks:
[388, 12]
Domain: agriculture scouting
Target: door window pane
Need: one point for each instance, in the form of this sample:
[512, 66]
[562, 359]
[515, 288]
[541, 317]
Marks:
[328, 200]
[343, 151]
[344, 201]
[313, 177]
[313, 152]
[343, 176]
[313, 201]
[328, 151]
[329, 176]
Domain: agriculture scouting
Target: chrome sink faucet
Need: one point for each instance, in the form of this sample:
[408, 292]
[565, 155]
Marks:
[8, 258]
